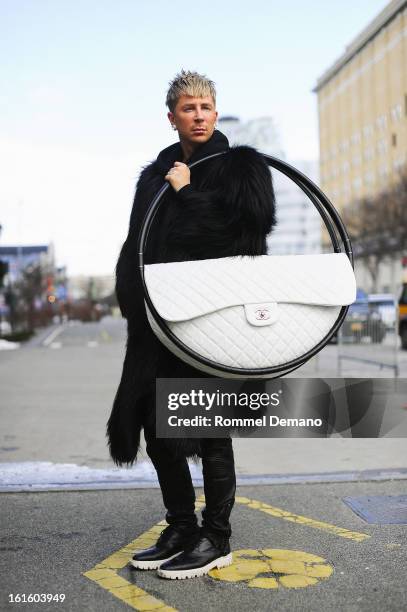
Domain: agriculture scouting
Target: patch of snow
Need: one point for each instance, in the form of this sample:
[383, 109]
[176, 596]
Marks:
[6, 345]
[45, 475]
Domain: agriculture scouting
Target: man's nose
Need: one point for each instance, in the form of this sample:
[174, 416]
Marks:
[199, 115]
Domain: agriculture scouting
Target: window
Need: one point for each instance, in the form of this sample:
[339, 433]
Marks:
[382, 146]
[381, 122]
[394, 140]
[383, 175]
[398, 163]
[355, 138]
[369, 178]
[396, 113]
[368, 154]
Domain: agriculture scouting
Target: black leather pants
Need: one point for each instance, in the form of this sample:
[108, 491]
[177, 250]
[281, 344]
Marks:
[178, 491]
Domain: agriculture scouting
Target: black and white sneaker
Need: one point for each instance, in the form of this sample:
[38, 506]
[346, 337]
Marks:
[196, 561]
[170, 544]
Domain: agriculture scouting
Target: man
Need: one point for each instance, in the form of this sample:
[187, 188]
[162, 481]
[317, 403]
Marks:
[224, 207]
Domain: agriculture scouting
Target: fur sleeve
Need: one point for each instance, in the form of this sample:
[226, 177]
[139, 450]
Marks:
[247, 190]
[240, 210]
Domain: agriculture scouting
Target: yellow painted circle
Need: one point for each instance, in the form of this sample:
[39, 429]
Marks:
[271, 568]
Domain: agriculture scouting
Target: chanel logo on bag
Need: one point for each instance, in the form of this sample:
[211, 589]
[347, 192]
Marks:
[262, 314]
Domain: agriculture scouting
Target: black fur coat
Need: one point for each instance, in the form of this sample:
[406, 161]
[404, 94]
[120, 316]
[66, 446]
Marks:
[227, 210]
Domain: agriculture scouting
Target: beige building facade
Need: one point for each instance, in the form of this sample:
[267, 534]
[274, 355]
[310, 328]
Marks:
[362, 107]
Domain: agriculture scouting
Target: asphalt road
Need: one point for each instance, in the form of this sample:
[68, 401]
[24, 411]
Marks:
[79, 543]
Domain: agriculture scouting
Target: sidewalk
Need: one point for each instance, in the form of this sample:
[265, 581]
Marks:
[296, 547]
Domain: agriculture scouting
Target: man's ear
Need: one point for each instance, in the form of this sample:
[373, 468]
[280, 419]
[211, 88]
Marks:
[170, 116]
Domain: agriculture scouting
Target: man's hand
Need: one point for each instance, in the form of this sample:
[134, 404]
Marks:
[178, 176]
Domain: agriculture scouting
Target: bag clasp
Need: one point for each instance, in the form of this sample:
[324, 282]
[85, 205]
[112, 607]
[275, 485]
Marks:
[261, 314]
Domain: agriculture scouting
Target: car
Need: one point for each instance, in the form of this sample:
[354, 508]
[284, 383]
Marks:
[84, 310]
[363, 320]
[386, 305]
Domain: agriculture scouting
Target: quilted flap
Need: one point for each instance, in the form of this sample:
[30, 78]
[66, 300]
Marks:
[188, 289]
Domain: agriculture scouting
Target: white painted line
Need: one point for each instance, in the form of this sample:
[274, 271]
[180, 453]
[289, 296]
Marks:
[93, 343]
[52, 335]
[55, 345]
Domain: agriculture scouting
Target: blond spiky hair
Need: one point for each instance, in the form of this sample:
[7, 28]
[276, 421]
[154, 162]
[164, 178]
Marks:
[188, 83]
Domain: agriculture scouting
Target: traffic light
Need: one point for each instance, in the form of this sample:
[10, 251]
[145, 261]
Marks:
[3, 270]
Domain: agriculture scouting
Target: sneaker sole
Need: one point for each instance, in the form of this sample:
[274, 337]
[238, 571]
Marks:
[147, 565]
[199, 571]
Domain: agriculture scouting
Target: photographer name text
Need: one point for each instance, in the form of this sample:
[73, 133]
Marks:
[220, 421]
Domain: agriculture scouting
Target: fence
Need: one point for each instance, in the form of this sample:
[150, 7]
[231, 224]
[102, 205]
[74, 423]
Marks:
[368, 339]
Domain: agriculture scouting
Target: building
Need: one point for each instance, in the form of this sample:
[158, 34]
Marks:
[260, 133]
[19, 258]
[27, 290]
[362, 107]
[92, 287]
[298, 228]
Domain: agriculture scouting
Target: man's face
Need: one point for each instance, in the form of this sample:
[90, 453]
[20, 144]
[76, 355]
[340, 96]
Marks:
[194, 118]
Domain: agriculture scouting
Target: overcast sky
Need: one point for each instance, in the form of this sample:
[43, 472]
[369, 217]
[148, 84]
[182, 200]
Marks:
[83, 90]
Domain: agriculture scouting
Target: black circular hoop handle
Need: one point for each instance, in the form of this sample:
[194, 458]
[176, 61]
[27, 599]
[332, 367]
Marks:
[333, 224]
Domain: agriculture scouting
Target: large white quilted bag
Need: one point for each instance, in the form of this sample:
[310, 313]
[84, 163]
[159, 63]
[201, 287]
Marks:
[250, 313]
